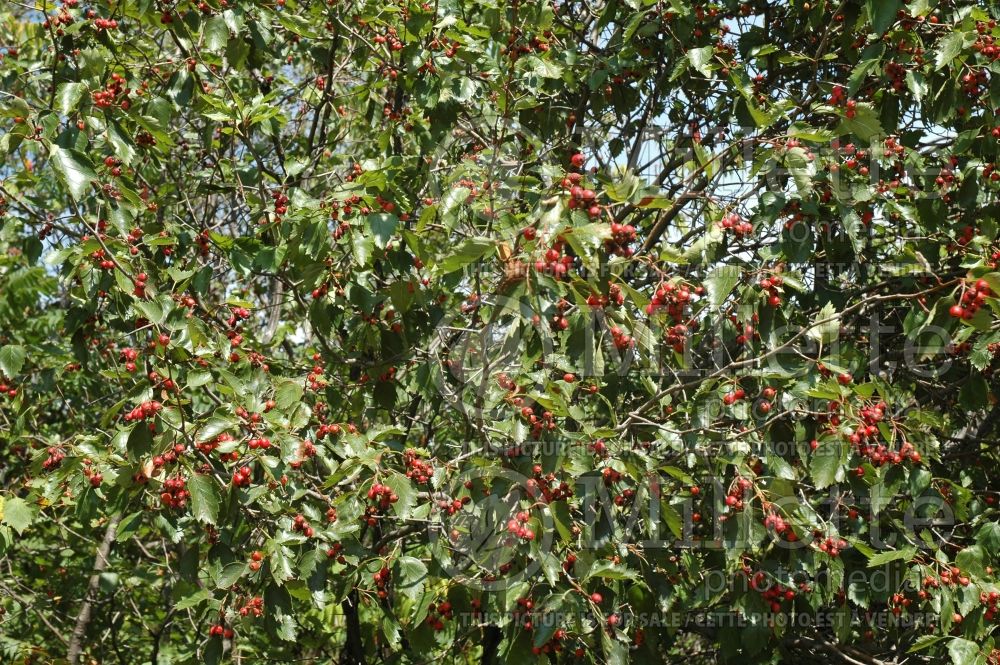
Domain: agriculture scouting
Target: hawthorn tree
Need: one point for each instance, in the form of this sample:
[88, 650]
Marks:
[527, 331]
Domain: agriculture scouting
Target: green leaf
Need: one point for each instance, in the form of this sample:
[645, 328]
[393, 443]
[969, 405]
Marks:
[17, 514]
[74, 168]
[950, 47]
[615, 653]
[865, 124]
[451, 205]
[544, 68]
[193, 600]
[827, 461]
[882, 558]
[963, 651]
[720, 283]
[230, 575]
[287, 394]
[68, 95]
[363, 246]
[412, 575]
[826, 324]
[215, 426]
[917, 84]
[12, 359]
[382, 226]
[469, 251]
[882, 13]
[925, 641]
[204, 498]
[700, 59]
[216, 33]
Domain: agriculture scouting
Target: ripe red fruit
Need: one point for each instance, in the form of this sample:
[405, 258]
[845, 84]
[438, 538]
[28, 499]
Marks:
[844, 378]
[577, 160]
[528, 233]
[596, 598]
[568, 378]
[957, 311]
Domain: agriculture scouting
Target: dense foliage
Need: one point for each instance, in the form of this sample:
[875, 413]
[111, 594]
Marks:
[472, 331]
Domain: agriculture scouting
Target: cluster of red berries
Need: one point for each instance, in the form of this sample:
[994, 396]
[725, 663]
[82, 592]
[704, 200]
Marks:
[60, 19]
[736, 224]
[381, 578]
[734, 498]
[770, 285]
[140, 285]
[106, 24]
[218, 630]
[169, 457]
[382, 495]
[829, 544]
[781, 527]
[896, 73]
[259, 444]
[174, 494]
[114, 164]
[211, 444]
[129, 355]
[986, 44]
[437, 614]
[99, 257]
[553, 645]
[559, 320]
[452, 506]
[108, 96]
[144, 411]
[254, 606]
[974, 83]
[967, 234]
[973, 297]
[547, 486]
[584, 199]
[236, 315]
[315, 377]
[242, 477]
[621, 339]
[554, 262]
[880, 455]
[54, 459]
[620, 242]
[417, 469]
[306, 452]
[773, 594]
[615, 296]
[898, 602]
[734, 396]
[328, 430]
[610, 476]
[674, 297]
[747, 331]
[301, 525]
[517, 525]
[255, 560]
[94, 477]
[334, 551]
[990, 600]
[280, 203]
[544, 423]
